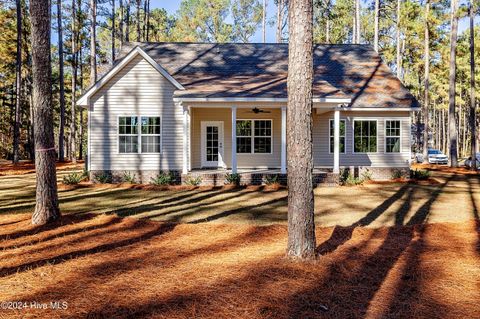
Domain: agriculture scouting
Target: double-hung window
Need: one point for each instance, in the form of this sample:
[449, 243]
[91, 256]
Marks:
[392, 136]
[332, 136]
[365, 136]
[254, 136]
[139, 134]
[151, 134]
[128, 134]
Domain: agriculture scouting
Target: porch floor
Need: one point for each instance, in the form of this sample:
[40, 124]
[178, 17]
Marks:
[208, 171]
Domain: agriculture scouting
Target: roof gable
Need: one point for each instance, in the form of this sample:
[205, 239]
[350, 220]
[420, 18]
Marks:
[85, 98]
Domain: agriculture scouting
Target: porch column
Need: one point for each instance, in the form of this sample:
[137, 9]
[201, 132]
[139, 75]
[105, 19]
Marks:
[234, 140]
[283, 155]
[336, 142]
[186, 115]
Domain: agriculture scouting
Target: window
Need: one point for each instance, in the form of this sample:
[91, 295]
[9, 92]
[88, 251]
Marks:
[392, 136]
[128, 134]
[365, 136]
[342, 136]
[151, 134]
[254, 136]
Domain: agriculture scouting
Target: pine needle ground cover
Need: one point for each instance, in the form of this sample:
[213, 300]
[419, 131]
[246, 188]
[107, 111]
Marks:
[395, 250]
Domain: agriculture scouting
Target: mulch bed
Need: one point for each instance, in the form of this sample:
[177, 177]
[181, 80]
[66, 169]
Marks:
[108, 267]
[445, 169]
[7, 168]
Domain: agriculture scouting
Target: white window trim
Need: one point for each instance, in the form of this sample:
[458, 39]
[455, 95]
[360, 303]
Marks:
[360, 119]
[139, 134]
[253, 136]
[344, 136]
[385, 135]
[117, 128]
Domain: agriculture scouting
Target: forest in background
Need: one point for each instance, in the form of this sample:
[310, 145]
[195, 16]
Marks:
[413, 37]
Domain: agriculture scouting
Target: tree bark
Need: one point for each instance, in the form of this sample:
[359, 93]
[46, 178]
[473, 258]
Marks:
[127, 22]
[148, 21]
[357, 21]
[73, 151]
[138, 22]
[427, 84]
[473, 120]
[61, 129]
[280, 18]
[377, 13]
[46, 207]
[301, 226]
[93, 42]
[18, 84]
[399, 60]
[264, 21]
[452, 92]
[120, 27]
[113, 31]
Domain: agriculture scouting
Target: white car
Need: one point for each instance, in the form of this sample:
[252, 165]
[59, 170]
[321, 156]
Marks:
[434, 157]
[468, 161]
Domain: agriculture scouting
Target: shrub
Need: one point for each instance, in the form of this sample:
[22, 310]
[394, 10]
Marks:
[193, 181]
[162, 179]
[129, 177]
[419, 174]
[73, 178]
[397, 173]
[232, 179]
[103, 178]
[366, 175]
[270, 179]
[347, 178]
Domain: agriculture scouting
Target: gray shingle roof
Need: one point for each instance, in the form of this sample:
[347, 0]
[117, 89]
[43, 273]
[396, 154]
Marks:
[260, 70]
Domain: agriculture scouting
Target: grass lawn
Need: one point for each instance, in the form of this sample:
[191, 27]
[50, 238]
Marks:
[386, 250]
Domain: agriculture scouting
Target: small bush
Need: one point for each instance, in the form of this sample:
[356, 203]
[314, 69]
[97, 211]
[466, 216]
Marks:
[270, 179]
[419, 174]
[397, 173]
[74, 178]
[129, 177]
[193, 181]
[232, 179]
[366, 175]
[103, 178]
[347, 178]
[162, 179]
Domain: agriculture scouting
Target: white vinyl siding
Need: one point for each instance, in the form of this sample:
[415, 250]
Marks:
[138, 90]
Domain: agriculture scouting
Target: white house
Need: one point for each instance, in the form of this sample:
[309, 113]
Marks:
[207, 109]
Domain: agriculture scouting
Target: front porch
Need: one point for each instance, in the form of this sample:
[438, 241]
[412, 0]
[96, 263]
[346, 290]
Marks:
[250, 139]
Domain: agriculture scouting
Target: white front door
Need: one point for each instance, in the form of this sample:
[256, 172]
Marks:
[212, 144]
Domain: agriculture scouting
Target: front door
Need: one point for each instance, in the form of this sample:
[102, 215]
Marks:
[212, 144]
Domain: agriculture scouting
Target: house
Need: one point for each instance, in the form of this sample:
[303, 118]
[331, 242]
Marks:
[198, 109]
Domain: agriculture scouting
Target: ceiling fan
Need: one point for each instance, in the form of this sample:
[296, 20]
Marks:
[256, 110]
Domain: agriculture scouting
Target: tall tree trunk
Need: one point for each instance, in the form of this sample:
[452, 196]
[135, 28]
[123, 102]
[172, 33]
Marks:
[127, 22]
[427, 84]
[327, 29]
[18, 88]
[301, 226]
[46, 207]
[473, 120]
[93, 42]
[280, 11]
[73, 154]
[113, 31]
[148, 21]
[377, 13]
[264, 21]
[81, 130]
[451, 92]
[120, 27]
[138, 22]
[144, 30]
[399, 60]
[61, 129]
[357, 21]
